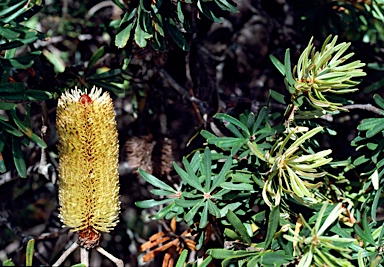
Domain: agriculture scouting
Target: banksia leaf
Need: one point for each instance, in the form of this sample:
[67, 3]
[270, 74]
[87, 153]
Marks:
[88, 171]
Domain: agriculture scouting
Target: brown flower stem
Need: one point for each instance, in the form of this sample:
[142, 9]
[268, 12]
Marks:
[118, 262]
[84, 256]
[66, 254]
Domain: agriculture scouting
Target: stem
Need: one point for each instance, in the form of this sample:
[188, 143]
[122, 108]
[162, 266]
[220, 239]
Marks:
[66, 254]
[84, 256]
[118, 262]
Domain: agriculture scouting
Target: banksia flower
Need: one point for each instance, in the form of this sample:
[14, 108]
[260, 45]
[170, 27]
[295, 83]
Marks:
[88, 171]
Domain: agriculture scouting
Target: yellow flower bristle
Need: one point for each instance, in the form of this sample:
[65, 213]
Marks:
[88, 155]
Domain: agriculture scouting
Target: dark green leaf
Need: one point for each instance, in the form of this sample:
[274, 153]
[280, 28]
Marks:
[27, 131]
[375, 203]
[379, 100]
[278, 97]
[287, 65]
[7, 106]
[204, 216]
[119, 4]
[156, 182]
[104, 75]
[126, 25]
[18, 157]
[145, 204]
[213, 209]
[238, 225]
[366, 235]
[11, 87]
[12, 8]
[205, 8]
[187, 203]
[161, 192]
[220, 253]
[227, 5]
[2, 163]
[189, 177]
[206, 169]
[96, 56]
[273, 223]
[236, 122]
[177, 37]
[192, 212]
[165, 211]
[222, 175]
[21, 62]
[278, 64]
[10, 129]
[275, 258]
[241, 186]
[107, 85]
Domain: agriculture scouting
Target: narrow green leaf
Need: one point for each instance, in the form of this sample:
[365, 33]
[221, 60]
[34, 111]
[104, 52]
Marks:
[236, 122]
[204, 216]
[207, 169]
[29, 252]
[273, 223]
[213, 209]
[222, 175]
[278, 97]
[182, 259]
[238, 225]
[11, 87]
[379, 100]
[27, 131]
[192, 212]
[18, 157]
[165, 211]
[10, 129]
[227, 5]
[187, 203]
[189, 176]
[176, 36]
[240, 186]
[95, 57]
[145, 204]
[287, 65]
[279, 66]
[221, 253]
[155, 182]
[2, 163]
[7, 106]
[367, 238]
[205, 262]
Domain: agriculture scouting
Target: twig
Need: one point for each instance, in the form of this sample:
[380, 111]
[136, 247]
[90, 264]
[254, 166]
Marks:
[184, 92]
[66, 254]
[367, 107]
[118, 262]
[84, 256]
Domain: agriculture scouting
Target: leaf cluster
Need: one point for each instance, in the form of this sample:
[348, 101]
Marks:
[304, 217]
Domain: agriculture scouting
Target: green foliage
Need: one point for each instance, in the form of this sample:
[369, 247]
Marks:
[14, 37]
[156, 21]
[303, 218]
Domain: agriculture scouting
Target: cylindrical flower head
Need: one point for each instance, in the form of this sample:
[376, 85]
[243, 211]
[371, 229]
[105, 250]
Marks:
[88, 170]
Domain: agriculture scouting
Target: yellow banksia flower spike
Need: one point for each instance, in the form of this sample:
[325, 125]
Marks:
[88, 170]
